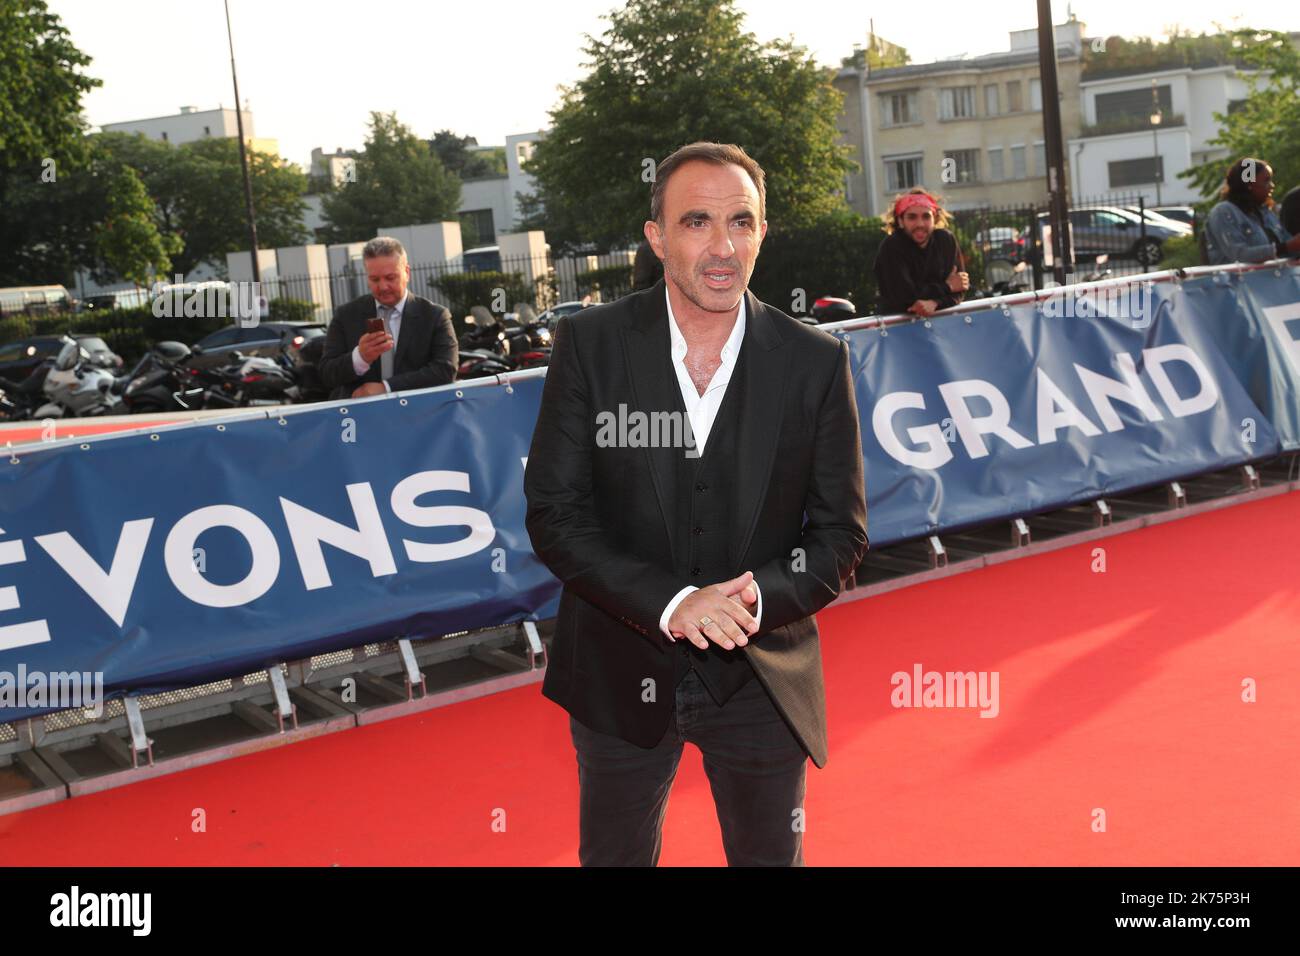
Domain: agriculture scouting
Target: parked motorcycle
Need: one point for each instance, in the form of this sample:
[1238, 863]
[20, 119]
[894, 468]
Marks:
[162, 381]
[481, 363]
[19, 400]
[305, 351]
[80, 385]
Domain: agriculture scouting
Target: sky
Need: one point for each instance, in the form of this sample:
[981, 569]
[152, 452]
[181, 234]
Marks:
[313, 71]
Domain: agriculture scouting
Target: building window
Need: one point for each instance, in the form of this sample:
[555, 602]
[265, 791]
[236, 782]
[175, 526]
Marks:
[1234, 105]
[899, 108]
[523, 152]
[1014, 104]
[164, 136]
[991, 101]
[1035, 94]
[1131, 104]
[1018, 162]
[902, 172]
[957, 102]
[961, 166]
[995, 165]
[1136, 172]
[1040, 159]
[477, 228]
[207, 131]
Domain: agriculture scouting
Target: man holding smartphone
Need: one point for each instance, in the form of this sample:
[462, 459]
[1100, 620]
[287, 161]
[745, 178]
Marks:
[391, 339]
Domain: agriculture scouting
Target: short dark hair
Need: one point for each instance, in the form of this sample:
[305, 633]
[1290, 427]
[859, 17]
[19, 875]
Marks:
[720, 154]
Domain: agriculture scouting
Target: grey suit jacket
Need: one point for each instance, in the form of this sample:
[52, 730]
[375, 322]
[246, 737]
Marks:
[426, 354]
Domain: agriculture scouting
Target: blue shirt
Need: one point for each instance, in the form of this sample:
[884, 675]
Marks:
[1231, 235]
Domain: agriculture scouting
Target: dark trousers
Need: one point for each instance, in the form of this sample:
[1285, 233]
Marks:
[755, 767]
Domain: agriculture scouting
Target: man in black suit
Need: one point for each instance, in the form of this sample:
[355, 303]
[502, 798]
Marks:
[694, 556]
[417, 347]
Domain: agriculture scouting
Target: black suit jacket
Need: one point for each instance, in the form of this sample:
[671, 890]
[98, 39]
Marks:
[426, 352]
[599, 517]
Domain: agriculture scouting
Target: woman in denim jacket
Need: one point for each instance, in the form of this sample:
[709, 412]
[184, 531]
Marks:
[1242, 226]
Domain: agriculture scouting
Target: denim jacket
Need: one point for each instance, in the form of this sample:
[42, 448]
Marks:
[1233, 236]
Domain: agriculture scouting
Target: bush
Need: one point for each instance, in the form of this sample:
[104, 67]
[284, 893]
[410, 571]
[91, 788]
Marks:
[611, 282]
[834, 257]
[1180, 252]
[292, 310]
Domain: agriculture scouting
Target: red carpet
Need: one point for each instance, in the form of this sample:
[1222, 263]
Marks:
[1119, 690]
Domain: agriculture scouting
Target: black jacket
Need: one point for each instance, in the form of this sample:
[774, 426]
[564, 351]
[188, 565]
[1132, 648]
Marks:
[1289, 211]
[426, 352]
[604, 520]
[905, 272]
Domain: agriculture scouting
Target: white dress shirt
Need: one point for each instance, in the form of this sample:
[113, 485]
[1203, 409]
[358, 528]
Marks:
[702, 410]
[394, 326]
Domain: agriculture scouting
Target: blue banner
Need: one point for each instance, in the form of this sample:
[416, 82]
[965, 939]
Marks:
[1021, 409]
[214, 549]
[218, 549]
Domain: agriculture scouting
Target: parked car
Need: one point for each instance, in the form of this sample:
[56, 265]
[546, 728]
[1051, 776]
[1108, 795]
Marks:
[1184, 214]
[122, 299]
[264, 339]
[1119, 233]
[19, 359]
[36, 300]
[482, 259]
[556, 312]
[1154, 215]
[1001, 242]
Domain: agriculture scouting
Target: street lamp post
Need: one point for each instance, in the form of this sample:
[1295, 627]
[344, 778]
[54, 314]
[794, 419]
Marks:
[243, 155]
[1156, 117]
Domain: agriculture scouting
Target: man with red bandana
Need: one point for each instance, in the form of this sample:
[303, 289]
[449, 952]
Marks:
[918, 265]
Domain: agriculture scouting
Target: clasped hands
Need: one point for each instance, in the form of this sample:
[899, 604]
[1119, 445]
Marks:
[728, 607]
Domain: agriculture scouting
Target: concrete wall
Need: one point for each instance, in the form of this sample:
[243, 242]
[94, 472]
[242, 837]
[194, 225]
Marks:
[1090, 158]
[492, 194]
[303, 272]
[428, 243]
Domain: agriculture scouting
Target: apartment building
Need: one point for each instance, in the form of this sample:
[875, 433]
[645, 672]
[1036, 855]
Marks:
[970, 128]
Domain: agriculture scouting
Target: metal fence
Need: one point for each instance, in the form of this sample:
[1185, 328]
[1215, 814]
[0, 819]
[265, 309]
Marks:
[498, 282]
[1010, 248]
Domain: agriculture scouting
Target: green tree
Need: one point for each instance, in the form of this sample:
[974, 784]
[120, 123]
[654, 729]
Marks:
[40, 89]
[200, 197]
[400, 180]
[96, 216]
[42, 141]
[1267, 124]
[457, 156]
[129, 243]
[666, 73]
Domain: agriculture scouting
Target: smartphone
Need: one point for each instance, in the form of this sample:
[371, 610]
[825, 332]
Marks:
[374, 325]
